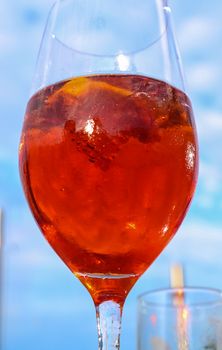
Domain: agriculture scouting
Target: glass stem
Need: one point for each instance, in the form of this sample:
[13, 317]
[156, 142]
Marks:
[109, 314]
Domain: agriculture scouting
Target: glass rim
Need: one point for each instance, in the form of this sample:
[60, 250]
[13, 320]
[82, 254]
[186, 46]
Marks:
[165, 2]
[54, 36]
[151, 304]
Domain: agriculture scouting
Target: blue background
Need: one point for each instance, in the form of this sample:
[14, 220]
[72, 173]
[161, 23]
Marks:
[44, 306]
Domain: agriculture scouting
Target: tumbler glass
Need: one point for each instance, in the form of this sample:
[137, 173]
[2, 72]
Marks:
[181, 318]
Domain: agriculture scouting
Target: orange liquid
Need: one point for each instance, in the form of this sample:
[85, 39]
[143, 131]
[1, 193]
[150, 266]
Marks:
[109, 165]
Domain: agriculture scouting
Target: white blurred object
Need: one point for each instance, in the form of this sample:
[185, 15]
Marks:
[177, 280]
[177, 276]
[1, 231]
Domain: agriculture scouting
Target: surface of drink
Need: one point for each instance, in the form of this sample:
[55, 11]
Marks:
[108, 164]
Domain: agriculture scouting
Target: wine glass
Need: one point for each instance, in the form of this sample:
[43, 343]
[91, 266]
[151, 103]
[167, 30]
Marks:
[108, 152]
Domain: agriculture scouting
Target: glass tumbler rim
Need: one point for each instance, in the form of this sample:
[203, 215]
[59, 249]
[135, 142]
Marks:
[216, 292]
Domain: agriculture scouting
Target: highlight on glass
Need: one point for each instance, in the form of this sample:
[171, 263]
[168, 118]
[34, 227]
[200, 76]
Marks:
[108, 152]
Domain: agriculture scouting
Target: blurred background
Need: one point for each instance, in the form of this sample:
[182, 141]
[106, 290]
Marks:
[43, 305]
